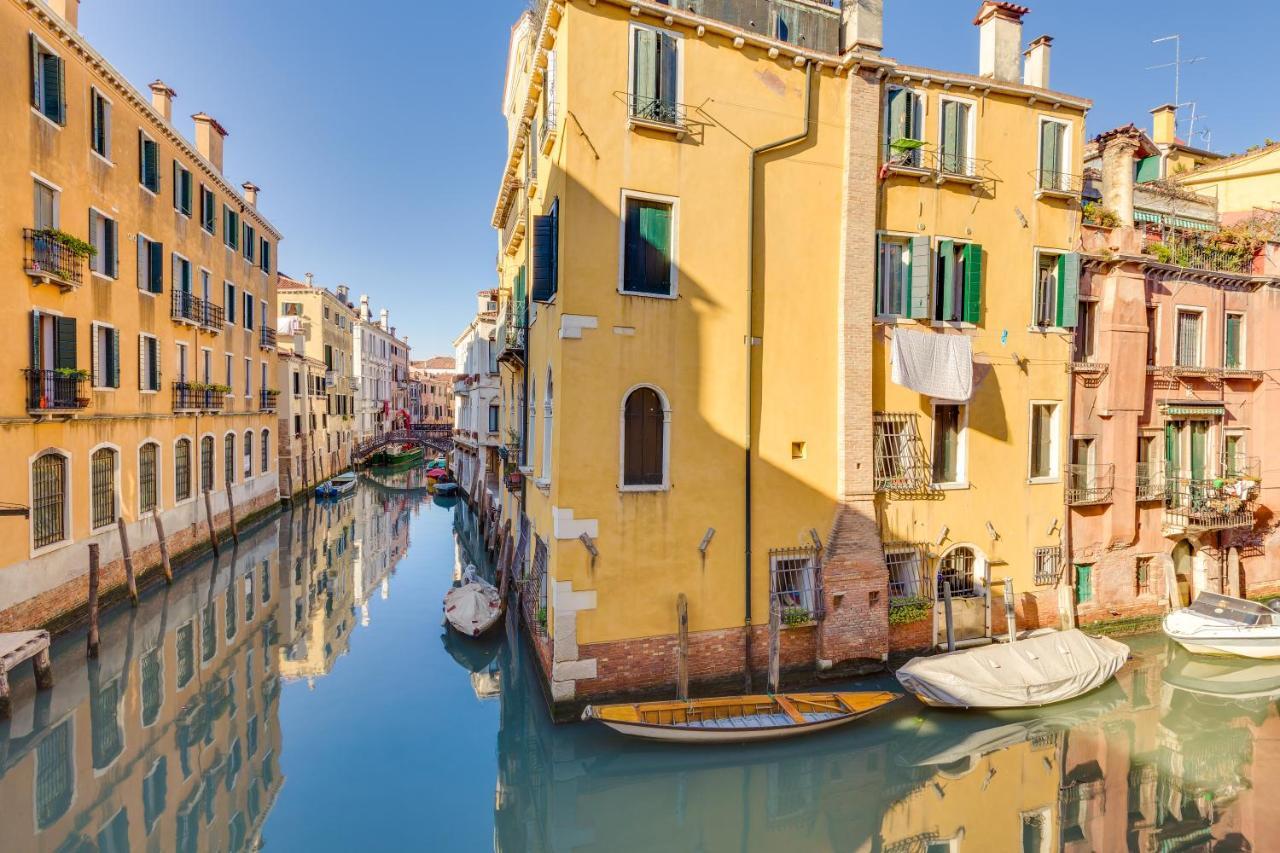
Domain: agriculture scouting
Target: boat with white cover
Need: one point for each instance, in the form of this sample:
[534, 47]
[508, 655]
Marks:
[337, 486]
[1222, 625]
[1039, 670]
[474, 606]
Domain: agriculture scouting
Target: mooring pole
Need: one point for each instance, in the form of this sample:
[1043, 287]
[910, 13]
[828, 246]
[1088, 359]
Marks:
[775, 629]
[946, 605]
[164, 548]
[129, 576]
[231, 511]
[1010, 615]
[208, 513]
[93, 599]
[682, 662]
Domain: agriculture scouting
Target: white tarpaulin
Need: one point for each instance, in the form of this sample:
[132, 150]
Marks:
[1026, 674]
[938, 366]
[473, 607]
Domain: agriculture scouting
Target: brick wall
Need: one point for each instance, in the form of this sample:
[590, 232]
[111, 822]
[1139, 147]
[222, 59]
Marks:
[911, 637]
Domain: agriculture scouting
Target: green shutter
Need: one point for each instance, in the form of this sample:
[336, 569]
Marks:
[952, 143]
[64, 342]
[1068, 289]
[896, 124]
[114, 357]
[35, 69]
[155, 283]
[920, 253]
[1147, 169]
[1199, 438]
[35, 340]
[973, 283]
[54, 88]
[1084, 584]
[644, 86]
[947, 272]
[1050, 162]
[177, 186]
[655, 236]
[668, 75]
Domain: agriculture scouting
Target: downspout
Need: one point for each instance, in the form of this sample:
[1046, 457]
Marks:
[748, 344]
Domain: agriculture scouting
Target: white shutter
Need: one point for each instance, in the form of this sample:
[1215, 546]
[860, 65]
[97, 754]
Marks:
[96, 378]
[142, 363]
[143, 281]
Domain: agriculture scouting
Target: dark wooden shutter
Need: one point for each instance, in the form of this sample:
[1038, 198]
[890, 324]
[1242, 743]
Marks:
[64, 342]
[153, 364]
[643, 427]
[155, 281]
[110, 263]
[35, 340]
[946, 280]
[35, 69]
[543, 258]
[633, 257]
[668, 76]
[113, 357]
[54, 87]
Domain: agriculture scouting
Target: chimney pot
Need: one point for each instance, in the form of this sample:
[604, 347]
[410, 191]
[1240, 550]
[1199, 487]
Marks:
[1035, 71]
[310, 277]
[68, 11]
[250, 193]
[999, 39]
[162, 99]
[209, 137]
[1164, 124]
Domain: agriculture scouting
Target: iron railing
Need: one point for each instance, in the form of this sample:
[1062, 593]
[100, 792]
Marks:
[1237, 465]
[514, 220]
[189, 308]
[188, 396]
[1150, 481]
[905, 153]
[1048, 565]
[901, 461]
[267, 337]
[511, 332]
[952, 164]
[1196, 255]
[267, 400]
[1058, 183]
[908, 564]
[51, 389]
[548, 124]
[795, 584]
[45, 256]
[1219, 504]
[1090, 484]
[657, 111]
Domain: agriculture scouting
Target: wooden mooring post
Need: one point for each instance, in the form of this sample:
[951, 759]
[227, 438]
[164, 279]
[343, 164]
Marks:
[951, 625]
[775, 642]
[208, 514]
[231, 512]
[682, 649]
[164, 548]
[129, 576]
[93, 599]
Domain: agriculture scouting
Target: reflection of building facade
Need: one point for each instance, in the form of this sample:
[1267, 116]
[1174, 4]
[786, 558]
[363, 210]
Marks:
[170, 740]
[477, 436]
[381, 537]
[319, 551]
[436, 379]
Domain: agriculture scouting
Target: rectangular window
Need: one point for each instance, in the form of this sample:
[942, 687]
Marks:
[793, 585]
[250, 242]
[181, 273]
[148, 363]
[546, 254]
[248, 310]
[1057, 293]
[105, 357]
[264, 260]
[297, 384]
[648, 247]
[148, 162]
[208, 206]
[150, 265]
[893, 277]
[46, 205]
[1142, 576]
[182, 191]
[1047, 561]
[948, 444]
[1054, 156]
[229, 373]
[248, 377]
[1044, 441]
[230, 227]
[1085, 331]
[903, 128]
[956, 142]
[1189, 339]
[493, 419]
[958, 294]
[655, 76]
[229, 302]
[100, 124]
[103, 238]
[908, 571]
[1233, 355]
[48, 82]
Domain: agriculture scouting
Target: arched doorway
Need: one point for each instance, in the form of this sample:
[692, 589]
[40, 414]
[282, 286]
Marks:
[965, 568]
[1183, 552]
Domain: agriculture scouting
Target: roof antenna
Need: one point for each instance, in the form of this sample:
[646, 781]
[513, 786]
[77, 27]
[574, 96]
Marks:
[1176, 65]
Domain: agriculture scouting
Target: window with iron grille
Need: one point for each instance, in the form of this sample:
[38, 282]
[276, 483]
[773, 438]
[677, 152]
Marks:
[230, 611]
[208, 633]
[55, 776]
[908, 564]
[182, 470]
[186, 642]
[48, 499]
[104, 487]
[1048, 565]
[957, 568]
[104, 716]
[795, 584]
[266, 450]
[1188, 342]
[154, 793]
[248, 454]
[535, 586]
[206, 463]
[1142, 575]
[901, 462]
[152, 686]
[229, 458]
[147, 457]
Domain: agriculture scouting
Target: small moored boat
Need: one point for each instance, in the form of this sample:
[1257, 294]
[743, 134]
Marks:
[735, 719]
[1037, 671]
[473, 607]
[336, 486]
[446, 489]
[1221, 625]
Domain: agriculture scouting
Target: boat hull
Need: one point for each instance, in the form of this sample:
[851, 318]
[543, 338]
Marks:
[1206, 635]
[673, 734]
[473, 608]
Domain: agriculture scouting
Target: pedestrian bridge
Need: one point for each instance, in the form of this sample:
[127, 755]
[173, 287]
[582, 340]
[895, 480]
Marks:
[436, 437]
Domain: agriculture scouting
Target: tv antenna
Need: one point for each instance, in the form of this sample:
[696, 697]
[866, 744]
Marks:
[1176, 65]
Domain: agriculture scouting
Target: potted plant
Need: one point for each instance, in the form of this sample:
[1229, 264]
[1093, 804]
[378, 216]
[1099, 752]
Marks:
[796, 615]
[77, 373]
[904, 610]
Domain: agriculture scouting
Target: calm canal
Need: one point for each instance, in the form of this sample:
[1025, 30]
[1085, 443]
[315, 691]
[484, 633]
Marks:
[301, 694]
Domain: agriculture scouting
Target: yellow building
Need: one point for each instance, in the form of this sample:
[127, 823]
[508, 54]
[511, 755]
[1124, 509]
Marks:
[140, 324]
[696, 370]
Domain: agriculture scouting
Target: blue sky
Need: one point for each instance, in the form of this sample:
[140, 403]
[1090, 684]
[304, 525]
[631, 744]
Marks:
[377, 136]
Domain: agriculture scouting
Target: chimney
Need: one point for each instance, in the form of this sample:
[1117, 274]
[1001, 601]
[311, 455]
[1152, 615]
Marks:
[343, 292]
[250, 193]
[162, 99]
[209, 136]
[999, 39]
[310, 277]
[364, 307]
[383, 316]
[1164, 124]
[862, 25]
[68, 11]
[1035, 71]
[1118, 152]
[393, 331]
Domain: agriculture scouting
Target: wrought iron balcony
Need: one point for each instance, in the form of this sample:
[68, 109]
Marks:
[49, 260]
[267, 337]
[656, 112]
[1057, 184]
[1220, 504]
[511, 334]
[55, 390]
[515, 221]
[195, 397]
[267, 400]
[1192, 254]
[1090, 484]
[1150, 481]
[186, 307]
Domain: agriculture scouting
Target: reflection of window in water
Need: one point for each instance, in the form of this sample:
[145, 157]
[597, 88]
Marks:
[55, 776]
[208, 634]
[251, 737]
[152, 686]
[108, 740]
[234, 764]
[792, 792]
[236, 833]
[231, 610]
[189, 826]
[113, 837]
[154, 793]
[249, 600]
[254, 801]
[186, 642]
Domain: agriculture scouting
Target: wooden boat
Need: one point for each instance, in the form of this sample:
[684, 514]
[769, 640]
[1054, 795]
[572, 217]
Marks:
[446, 489]
[738, 719]
[336, 486]
[474, 606]
[1222, 625]
[398, 454]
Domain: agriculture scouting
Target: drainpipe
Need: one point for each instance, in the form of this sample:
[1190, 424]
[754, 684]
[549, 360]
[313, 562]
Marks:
[750, 387]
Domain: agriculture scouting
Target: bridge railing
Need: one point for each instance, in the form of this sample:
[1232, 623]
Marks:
[432, 435]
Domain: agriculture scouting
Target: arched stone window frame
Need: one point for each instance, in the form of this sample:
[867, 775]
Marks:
[665, 485]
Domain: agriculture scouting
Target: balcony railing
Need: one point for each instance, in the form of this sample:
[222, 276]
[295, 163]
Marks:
[547, 129]
[951, 165]
[267, 337]
[1150, 481]
[51, 389]
[191, 396]
[906, 154]
[186, 307]
[46, 258]
[1090, 484]
[657, 111]
[511, 333]
[514, 222]
[267, 400]
[1209, 504]
[1195, 255]
[1061, 184]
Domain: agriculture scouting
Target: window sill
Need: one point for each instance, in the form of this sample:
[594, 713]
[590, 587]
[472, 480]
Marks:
[676, 130]
[657, 488]
[1043, 481]
[56, 546]
[146, 189]
[643, 295]
[1048, 330]
[958, 178]
[543, 485]
[103, 159]
[147, 293]
[103, 276]
[951, 487]
[52, 123]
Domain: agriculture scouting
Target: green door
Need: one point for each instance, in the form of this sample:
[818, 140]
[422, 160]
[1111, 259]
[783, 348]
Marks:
[1172, 449]
[1084, 584]
[1199, 439]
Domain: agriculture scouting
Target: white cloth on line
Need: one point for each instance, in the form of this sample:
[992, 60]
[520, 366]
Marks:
[938, 366]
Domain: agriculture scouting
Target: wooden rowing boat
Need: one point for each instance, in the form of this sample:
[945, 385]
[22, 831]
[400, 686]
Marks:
[736, 719]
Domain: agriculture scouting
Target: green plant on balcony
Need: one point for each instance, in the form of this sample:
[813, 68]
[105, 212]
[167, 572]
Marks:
[541, 616]
[796, 615]
[72, 372]
[70, 242]
[218, 389]
[1096, 214]
[907, 609]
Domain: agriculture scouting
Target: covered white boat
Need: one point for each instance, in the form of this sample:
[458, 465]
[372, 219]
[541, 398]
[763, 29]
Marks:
[1036, 671]
[337, 486]
[473, 607]
[1221, 625]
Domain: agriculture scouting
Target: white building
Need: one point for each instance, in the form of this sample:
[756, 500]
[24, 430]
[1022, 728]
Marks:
[374, 348]
[477, 397]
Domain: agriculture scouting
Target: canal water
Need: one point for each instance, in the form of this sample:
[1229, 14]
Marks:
[299, 693]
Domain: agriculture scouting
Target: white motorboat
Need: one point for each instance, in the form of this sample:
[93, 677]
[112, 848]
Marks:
[1221, 625]
[1037, 671]
[474, 606]
[337, 486]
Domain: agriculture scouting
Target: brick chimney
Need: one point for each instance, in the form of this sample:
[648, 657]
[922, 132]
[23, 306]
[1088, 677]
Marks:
[209, 137]
[1164, 124]
[68, 11]
[162, 99]
[1035, 69]
[1119, 150]
[250, 193]
[999, 39]
[862, 25]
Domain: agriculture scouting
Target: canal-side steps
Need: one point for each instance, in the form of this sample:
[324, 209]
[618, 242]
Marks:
[16, 648]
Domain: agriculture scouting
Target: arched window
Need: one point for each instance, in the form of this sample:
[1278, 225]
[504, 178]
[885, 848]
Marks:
[531, 416]
[103, 487]
[266, 450]
[229, 458]
[248, 454]
[548, 416]
[148, 492]
[206, 463]
[644, 439]
[182, 470]
[958, 566]
[49, 499]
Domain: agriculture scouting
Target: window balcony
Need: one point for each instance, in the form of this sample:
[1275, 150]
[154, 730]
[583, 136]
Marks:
[547, 130]
[511, 335]
[1150, 481]
[267, 400]
[56, 390]
[267, 337]
[656, 114]
[911, 157]
[49, 258]
[197, 397]
[956, 167]
[1192, 254]
[1052, 184]
[515, 222]
[1090, 484]
[188, 308]
[1200, 505]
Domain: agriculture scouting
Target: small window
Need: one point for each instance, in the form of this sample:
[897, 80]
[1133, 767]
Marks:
[948, 444]
[904, 128]
[1044, 441]
[893, 277]
[1086, 325]
[48, 82]
[1233, 356]
[546, 254]
[250, 244]
[264, 262]
[46, 205]
[248, 310]
[248, 454]
[148, 162]
[148, 459]
[206, 463]
[1142, 576]
[956, 148]
[1047, 562]
[648, 247]
[1153, 333]
[493, 418]
[100, 124]
[103, 487]
[182, 191]
[105, 346]
[150, 265]
[908, 571]
[208, 206]
[229, 458]
[1054, 156]
[230, 227]
[103, 237]
[148, 363]
[266, 450]
[958, 567]
[958, 290]
[181, 274]
[1189, 342]
[229, 302]
[655, 76]
[644, 439]
[182, 470]
[1057, 293]
[793, 576]
[48, 499]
